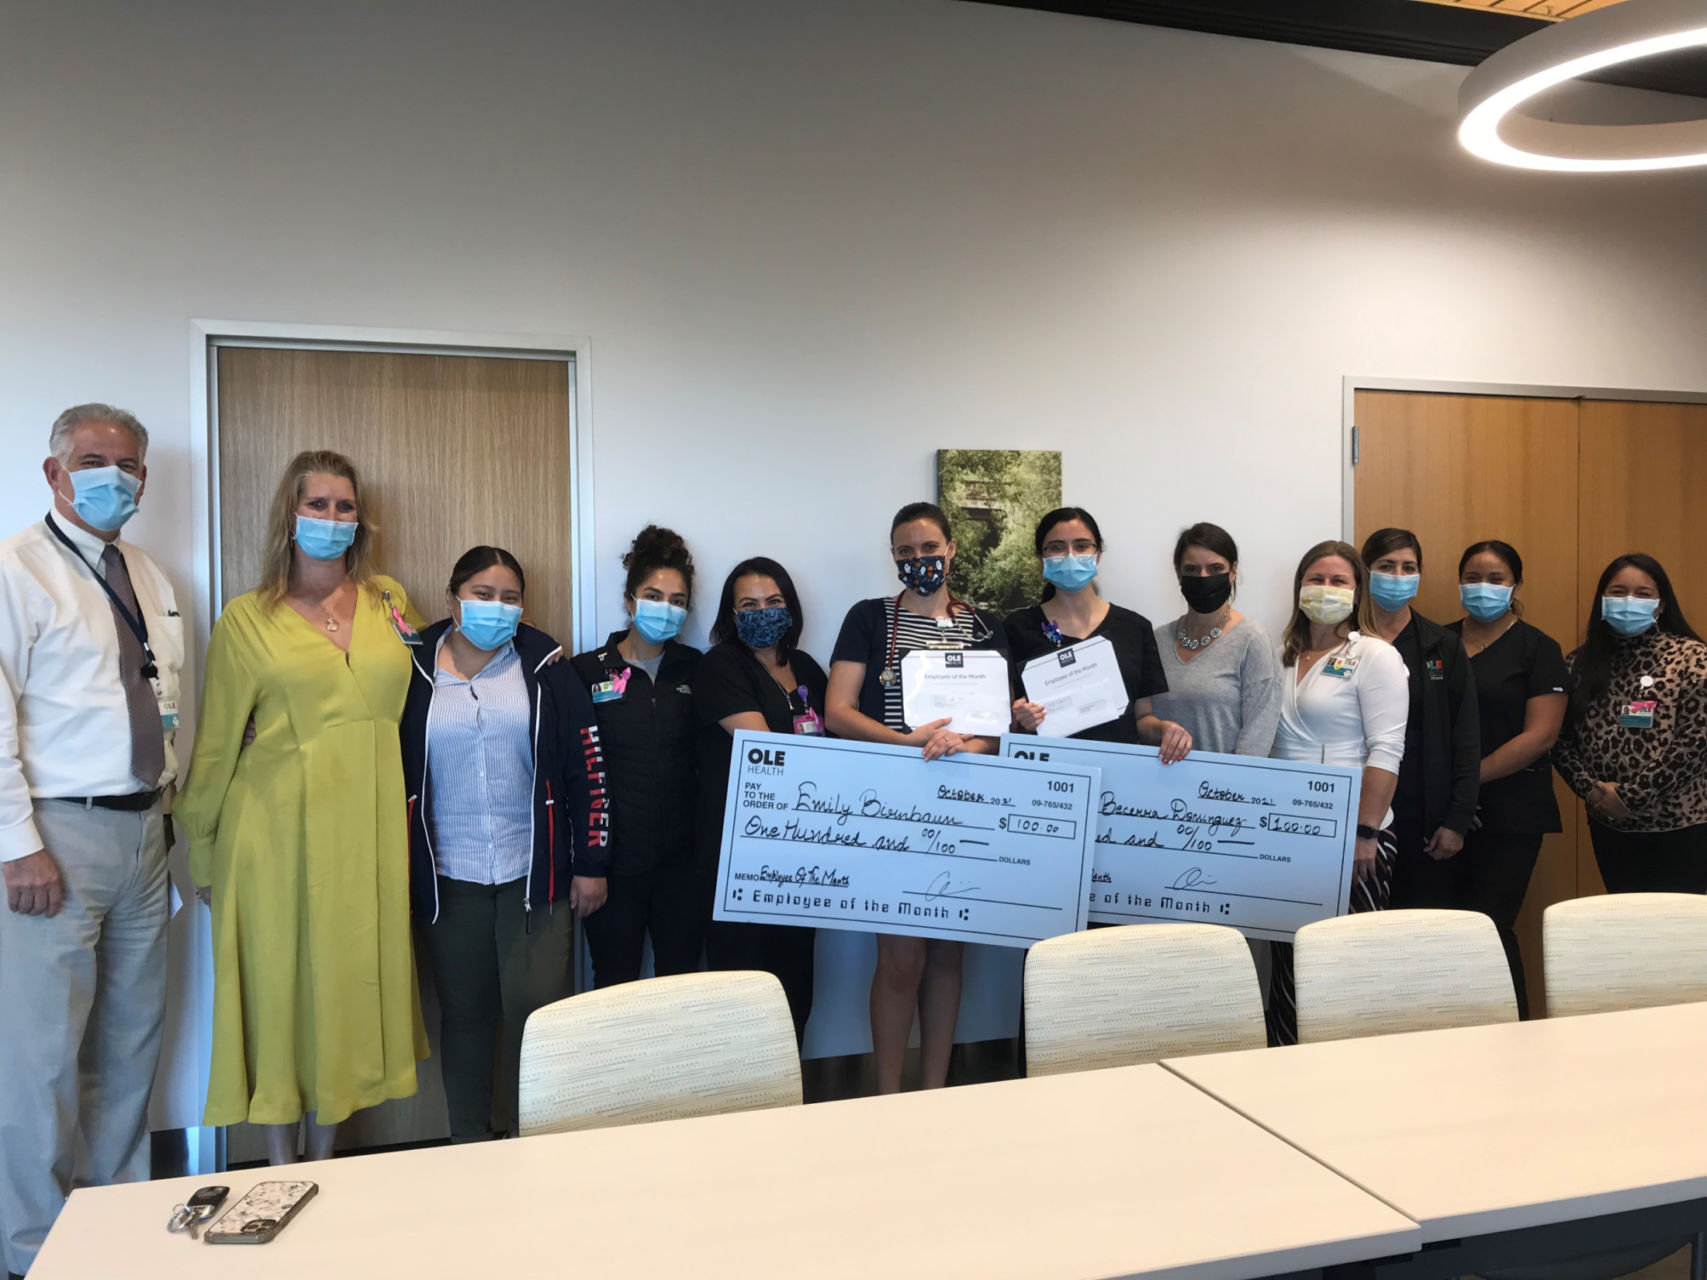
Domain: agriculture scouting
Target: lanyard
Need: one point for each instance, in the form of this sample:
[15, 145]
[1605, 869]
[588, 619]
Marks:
[136, 622]
[887, 677]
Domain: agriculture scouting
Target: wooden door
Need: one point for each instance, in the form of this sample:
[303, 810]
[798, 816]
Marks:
[1455, 470]
[1644, 478]
[454, 451]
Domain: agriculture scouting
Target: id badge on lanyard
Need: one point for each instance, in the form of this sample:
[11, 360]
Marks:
[612, 690]
[1639, 713]
[168, 706]
[406, 633]
[810, 723]
[1340, 667]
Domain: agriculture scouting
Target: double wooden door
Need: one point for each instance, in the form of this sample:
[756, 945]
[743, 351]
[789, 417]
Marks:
[1571, 484]
[454, 452]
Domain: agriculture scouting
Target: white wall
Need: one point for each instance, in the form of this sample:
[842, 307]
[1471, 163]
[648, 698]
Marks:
[813, 242]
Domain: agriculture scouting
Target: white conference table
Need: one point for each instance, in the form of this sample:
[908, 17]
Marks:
[1493, 1129]
[1127, 1172]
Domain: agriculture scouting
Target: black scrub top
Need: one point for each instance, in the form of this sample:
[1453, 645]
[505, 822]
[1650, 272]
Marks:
[1134, 643]
[1522, 664]
[731, 680]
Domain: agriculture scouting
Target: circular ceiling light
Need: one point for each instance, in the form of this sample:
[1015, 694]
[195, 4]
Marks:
[1492, 127]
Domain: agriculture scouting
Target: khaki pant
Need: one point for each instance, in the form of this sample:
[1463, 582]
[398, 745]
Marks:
[82, 1001]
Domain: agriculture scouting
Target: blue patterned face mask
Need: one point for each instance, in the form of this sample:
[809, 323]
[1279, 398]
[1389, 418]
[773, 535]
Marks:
[761, 628]
[924, 574]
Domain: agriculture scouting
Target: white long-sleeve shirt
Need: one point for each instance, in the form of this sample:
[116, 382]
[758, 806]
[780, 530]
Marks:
[1356, 719]
[64, 722]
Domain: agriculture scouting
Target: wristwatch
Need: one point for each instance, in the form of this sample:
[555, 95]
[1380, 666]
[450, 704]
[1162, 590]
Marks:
[1366, 832]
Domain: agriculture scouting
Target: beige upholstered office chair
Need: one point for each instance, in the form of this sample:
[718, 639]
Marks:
[693, 1045]
[1138, 993]
[1624, 951]
[1388, 971]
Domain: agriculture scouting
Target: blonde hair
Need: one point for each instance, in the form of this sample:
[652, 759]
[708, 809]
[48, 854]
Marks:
[278, 561]
[1363, 612]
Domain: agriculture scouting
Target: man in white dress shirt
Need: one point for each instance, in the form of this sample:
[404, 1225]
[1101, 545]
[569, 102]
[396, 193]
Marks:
[90, 646]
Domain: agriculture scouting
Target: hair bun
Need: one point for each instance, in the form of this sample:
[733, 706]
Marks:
[656, 543]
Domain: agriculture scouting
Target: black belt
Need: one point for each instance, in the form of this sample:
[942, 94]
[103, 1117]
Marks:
[135, 802]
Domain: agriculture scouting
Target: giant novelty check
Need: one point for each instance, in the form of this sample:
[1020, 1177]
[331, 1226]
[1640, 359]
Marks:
[1265, 846]
[853, 835]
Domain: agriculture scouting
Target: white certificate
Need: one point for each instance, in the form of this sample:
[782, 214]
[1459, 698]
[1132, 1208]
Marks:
[852, 835]
[967, 687]
[1264, 846]
[1079, 686]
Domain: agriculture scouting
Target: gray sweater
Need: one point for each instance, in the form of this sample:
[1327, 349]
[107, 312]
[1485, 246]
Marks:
[1228, 696]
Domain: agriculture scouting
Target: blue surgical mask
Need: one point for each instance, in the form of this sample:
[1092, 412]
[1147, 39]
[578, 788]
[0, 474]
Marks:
[1393, 591]
[761, 628]
[104, 497]
[1484, 601]
[1629, 615]
[324, 539]
[924, 574]
[1070, 573]
[489, 624]
[658, 620]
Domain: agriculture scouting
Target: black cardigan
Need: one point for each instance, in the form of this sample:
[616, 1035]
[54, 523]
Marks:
[571, 818]
[1451, 731]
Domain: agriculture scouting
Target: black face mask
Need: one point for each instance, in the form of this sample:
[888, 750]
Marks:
[1208, 593]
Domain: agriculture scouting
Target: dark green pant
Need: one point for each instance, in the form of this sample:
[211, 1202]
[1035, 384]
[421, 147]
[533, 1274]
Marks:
[487, 965]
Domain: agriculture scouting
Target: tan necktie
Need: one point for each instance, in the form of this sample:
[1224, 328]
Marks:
[147, 742]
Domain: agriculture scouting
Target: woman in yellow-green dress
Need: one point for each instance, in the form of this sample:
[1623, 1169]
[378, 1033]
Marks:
[299, 840]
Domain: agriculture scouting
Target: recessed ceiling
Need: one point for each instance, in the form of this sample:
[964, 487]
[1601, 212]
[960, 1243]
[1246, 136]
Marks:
[1462, 32]
[1552, 10]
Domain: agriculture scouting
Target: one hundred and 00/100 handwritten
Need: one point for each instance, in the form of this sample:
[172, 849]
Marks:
[968, 847]
[1264, 846]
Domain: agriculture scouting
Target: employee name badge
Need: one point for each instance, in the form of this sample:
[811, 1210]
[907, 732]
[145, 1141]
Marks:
[406, 633]
[1340, 666]
[809, 724]
[612, 690]
[168, 706]
[1637, 715]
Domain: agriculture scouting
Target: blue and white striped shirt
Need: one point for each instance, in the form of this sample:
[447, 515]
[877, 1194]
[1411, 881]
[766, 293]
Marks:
[480, 756]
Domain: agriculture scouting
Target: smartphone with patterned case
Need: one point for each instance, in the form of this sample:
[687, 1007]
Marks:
[262, 1213]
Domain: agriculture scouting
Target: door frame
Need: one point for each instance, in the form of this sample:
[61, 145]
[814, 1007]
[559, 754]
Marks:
[205, 1143]
[1351, 385]
[207, 336]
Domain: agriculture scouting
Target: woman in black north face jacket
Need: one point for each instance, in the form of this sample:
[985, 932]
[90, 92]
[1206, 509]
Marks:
[641, 682]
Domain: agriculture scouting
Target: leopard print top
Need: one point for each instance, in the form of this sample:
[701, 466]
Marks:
[1661, 772]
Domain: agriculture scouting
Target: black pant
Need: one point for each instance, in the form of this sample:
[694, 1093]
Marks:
[1651, 861]
[489, 959]
[1493, 877]
[779, 949]
[1419, 880]
[664, 902]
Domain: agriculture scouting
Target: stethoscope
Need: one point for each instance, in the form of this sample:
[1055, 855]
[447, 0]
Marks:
[887, 676]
